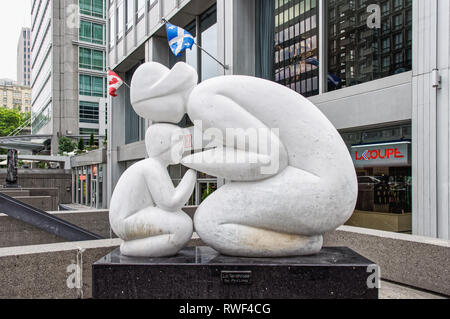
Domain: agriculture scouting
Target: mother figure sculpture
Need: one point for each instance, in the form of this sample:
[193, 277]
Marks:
[311, 187]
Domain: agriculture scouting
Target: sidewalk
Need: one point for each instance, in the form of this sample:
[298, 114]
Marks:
[391, 290]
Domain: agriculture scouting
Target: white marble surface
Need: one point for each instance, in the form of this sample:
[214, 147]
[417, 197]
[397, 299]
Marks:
[313, 191]
[146, 207]
[302, 184]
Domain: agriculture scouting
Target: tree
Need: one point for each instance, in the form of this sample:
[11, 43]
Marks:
[66, 145]
[25, 117]
[9, 121]
[92, 142]
[81, 145]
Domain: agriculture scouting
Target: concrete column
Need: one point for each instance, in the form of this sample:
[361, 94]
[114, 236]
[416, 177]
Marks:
[236, 36]
[157, 50]
[64, 73]
[431, 119]
[116, 138]
[443, 121]
[74, 185]
[104, 200]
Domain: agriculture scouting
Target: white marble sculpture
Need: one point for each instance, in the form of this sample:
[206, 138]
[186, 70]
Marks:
[145, 207]
[284, 211]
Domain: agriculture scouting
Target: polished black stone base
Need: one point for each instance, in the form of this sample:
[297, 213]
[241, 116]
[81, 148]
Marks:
[202, 273]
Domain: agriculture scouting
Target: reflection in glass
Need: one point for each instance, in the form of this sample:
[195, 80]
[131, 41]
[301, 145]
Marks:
[208, 35]
[368, 40]
[296, 45]
[209, 43]
[385, 183]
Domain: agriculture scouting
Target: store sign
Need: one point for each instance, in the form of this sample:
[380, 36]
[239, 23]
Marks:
[381, 154]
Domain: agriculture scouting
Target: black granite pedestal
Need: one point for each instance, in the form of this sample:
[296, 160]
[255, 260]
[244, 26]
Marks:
[202, 273]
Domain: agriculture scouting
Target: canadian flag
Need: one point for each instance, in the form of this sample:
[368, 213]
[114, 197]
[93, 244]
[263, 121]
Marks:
[115, 82]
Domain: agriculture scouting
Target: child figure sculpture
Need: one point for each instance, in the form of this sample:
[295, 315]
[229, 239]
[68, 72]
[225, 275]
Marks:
[146, 207]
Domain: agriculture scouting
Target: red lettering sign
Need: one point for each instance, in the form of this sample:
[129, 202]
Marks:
[389, 153]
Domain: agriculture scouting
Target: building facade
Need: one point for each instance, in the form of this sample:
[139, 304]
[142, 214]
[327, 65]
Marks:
[24, 57]
[68, 41]
[15, 96]
[379, 70]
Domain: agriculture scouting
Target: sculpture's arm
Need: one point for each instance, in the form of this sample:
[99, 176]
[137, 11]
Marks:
[254, 158]
[165, 195]
[232, 164]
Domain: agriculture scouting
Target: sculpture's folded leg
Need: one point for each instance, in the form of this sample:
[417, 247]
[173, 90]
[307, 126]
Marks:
[247, 241]
[153, 232]
[282, 216]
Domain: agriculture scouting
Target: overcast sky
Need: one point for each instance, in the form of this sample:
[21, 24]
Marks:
[14, 14]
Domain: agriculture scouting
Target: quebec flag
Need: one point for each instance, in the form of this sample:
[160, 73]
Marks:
[179, 39]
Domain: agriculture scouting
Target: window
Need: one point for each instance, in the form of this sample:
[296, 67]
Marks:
[208, 24]
[140, 9]
[208, 33]
[360, 52]
[151, 4]
[89, 112]
[119, 20]
[92, 86]
[129, 13]
[88, 131]
[41, 119]
[93, 8]
[296, 52]
[91, 59]
[112, 30]
[92, 32]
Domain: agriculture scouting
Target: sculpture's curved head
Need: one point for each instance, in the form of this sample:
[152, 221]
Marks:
[159, 94]
[165, 142]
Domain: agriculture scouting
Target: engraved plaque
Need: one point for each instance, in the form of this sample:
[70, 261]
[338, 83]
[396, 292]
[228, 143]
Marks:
[236, 277]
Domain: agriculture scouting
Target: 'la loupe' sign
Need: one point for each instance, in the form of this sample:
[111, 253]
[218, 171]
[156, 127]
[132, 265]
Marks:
[387, 154]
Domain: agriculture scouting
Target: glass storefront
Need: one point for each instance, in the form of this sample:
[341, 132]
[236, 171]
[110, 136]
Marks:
[382, 158]
[87, 186]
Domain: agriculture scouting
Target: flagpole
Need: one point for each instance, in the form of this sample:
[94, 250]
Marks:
[226, 67]
[109, 69]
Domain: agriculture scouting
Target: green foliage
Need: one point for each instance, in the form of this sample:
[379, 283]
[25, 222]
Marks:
[92, 140]
[25, 117]
[42, 165]
[66, 145]
[207, 192]
[91, 145]
[105, 141]
[9, 121]
[80, 146]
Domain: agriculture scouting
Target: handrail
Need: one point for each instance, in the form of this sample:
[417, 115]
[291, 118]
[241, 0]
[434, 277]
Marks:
[43, 220]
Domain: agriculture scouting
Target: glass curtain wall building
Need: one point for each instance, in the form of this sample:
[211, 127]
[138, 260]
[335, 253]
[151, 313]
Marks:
[92, 81]
[296, 45]
[368, 40]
